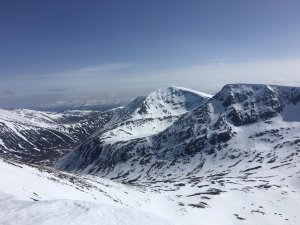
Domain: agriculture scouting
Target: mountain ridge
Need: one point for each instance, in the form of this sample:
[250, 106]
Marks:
[208, 127]
[239, 148]
[32, 135]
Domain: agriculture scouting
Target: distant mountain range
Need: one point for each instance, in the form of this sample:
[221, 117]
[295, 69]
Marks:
[37, 136]
[69, 106]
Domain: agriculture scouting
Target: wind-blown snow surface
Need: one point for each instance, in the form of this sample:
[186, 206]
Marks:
[38, 195]
[70, 212]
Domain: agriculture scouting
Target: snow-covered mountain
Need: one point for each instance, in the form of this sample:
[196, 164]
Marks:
[183, 156]
[165, 102]
[239, 148]
[215, 127]
[144, 117]
[150, 114]
[34, 135]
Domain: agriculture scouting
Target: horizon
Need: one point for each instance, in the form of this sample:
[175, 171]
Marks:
[110, 52]
[103, 105]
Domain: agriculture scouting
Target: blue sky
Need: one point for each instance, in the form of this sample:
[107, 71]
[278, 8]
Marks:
[99, 50]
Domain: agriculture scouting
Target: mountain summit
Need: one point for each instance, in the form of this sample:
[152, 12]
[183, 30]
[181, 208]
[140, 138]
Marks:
[171, 101]
[142, 118]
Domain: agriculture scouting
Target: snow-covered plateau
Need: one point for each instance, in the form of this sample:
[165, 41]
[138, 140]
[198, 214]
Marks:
[176, 156]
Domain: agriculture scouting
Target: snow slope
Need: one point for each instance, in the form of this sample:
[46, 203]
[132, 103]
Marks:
[31, 194]
[220, 193]
[70, 212]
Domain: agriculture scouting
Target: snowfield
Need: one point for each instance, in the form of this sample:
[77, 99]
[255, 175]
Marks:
[37, 195]
[70, 212]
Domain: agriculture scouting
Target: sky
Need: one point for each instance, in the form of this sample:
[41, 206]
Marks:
[99, 51]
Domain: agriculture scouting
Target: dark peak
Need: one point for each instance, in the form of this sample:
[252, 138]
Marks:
[236, 93]
[233, 93]
[249, 103]
[256, 87]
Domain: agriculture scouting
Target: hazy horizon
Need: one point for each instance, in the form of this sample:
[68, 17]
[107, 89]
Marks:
[82, 52]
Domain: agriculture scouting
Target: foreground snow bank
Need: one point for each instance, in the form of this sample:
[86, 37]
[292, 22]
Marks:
[69, 212]
[42, 196]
